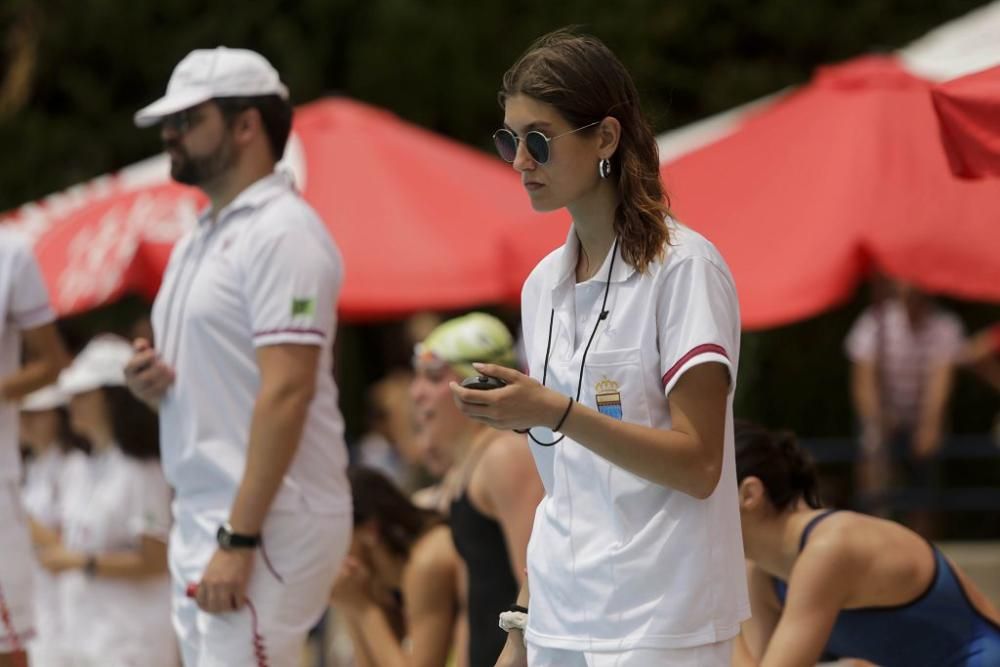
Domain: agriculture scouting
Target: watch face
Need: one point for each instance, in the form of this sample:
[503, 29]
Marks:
[224, 537]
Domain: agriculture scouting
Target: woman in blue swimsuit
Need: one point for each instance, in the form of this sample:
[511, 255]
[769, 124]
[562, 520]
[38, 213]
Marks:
[842, 584]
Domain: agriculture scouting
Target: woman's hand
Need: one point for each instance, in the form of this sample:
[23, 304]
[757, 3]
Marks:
[352, 589]
[58, 558]
[514, 653]
[523, 403]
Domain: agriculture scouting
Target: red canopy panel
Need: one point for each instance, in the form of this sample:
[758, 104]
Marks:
[969, 111]
[845, 175]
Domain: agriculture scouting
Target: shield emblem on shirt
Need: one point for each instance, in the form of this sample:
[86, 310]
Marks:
[609, 398]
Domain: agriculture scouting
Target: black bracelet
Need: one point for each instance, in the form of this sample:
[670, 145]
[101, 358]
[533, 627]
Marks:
[569, 406]
[518, 608]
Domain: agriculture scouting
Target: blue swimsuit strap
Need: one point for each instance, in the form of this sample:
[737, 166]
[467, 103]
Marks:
[812, 524]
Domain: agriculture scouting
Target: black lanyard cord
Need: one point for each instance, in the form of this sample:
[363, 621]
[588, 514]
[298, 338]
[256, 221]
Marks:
[583, 362]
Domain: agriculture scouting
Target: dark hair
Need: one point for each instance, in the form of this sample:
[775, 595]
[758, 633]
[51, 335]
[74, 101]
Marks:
[275, 114]
[135, 427]
[399, 521]
[776, 459]
[585, 82]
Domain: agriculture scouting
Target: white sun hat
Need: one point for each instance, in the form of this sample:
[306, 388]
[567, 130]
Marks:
[100, 364]
[206, 74]
[46, 398]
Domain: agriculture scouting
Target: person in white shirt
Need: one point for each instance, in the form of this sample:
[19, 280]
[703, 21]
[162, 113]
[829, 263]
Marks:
[114, 516]
[632, 336]
[242, 374]
[52, 456]
[28, 318]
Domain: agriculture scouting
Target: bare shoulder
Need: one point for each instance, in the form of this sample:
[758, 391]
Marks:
[838, 544]
[507, 463]
[433, 555]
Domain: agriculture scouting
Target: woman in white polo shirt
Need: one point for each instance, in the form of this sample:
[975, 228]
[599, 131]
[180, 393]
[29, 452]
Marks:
[52, 460]
[632, 333]
[115, 517]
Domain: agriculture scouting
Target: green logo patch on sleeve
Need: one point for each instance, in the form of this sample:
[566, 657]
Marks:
[303, 307]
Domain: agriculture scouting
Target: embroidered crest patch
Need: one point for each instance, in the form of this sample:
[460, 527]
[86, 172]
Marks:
[609, 398]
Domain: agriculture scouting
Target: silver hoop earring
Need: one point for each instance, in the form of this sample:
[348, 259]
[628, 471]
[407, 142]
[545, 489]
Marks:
[604, 167]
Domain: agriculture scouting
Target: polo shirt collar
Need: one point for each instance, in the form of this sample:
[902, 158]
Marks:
[256, 195]
[571, 251]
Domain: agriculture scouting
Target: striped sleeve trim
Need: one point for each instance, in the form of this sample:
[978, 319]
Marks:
[707, 348]
[41, 314]
[290, 330]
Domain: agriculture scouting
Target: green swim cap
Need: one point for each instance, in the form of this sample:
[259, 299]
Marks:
[463, 340]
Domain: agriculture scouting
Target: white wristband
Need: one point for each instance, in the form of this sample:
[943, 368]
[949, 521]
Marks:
[513, 620]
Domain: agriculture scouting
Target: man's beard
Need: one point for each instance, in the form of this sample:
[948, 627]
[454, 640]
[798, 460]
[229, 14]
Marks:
[201, 170]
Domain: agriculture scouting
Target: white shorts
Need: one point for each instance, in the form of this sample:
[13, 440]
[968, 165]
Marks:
[718, 654]
[289, 588]
[17, 611]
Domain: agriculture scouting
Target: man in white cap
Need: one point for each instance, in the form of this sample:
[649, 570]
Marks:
[251, 434]
[25, 316]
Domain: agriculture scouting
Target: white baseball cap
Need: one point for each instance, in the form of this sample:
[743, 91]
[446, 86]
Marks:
[100, 364]
[205, 74]
[46, 398]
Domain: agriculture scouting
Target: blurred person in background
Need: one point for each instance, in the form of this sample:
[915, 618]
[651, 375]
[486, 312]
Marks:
[52, 459]
[491, 486]
[903, 350]
[632, 335]
[26, 318]
[402, 564]
[114, 515]
[981, 354]
[242, 374]
[389, 443]
[843, 583]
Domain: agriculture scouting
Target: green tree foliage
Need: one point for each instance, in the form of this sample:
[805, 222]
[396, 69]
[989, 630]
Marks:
[85, 67]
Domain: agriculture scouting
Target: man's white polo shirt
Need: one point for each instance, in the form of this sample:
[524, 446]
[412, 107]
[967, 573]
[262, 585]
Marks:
[617, 562]
[265, 272]
[24, 303]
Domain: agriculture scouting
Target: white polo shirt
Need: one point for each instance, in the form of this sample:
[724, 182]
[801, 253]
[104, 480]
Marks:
[266, 272]
[615, 561]
[109, 503]
[24, 303]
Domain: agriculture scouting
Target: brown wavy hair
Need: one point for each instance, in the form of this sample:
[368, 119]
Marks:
[585, 82]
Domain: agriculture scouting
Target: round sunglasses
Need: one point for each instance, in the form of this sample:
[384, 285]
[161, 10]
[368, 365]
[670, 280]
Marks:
[536, 142]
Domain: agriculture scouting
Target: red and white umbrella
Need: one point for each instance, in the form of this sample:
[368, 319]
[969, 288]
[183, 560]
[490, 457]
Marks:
[843, 175]
[423, 222]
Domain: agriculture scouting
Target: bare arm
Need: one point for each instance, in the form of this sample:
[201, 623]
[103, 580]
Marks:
[42, 536]
[287, 386]
[865, 394]
[741, 654]
[756, 632]
[46, 358]
[688, 457]
[937, 391]
[512, 489]
[149, 560]
[821, 581]
[514, 653]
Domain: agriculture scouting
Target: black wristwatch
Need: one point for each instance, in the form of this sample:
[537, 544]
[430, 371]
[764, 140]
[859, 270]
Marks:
[229, 540]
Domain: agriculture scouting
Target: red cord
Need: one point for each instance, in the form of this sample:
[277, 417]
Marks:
[8, 624]
[259, 648]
